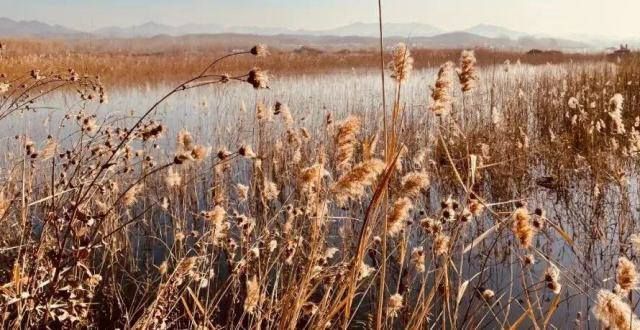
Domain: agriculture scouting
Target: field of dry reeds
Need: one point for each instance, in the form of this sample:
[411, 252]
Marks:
[134, 62]
[501, 195]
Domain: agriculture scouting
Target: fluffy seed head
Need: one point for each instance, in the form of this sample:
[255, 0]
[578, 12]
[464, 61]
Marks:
[259, 50]
[398, 215]
[467, 72]
[626, 275]
[613, 312]
[413, 182]
[353, 183]
[441, 93]
[402, 63]
[258, 78]
[522, 227]
[345, 141]
[396, 302]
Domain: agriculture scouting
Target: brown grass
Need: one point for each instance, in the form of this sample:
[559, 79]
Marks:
[127, 62]
[311, 224]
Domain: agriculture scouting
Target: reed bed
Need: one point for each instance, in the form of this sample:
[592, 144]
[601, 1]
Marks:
[477, 197]
[125, 63]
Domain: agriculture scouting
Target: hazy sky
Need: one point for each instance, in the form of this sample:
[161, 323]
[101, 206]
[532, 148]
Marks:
[556, 17]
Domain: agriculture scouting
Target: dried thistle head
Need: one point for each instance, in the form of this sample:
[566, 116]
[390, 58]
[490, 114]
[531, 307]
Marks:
[364, 271]
[259, 50]
[242, 191]
[418, 259]
[396, 302]
[246, 151]
[258, 78]
[185, 141]
[283, 110]
[200, 152]
[488, 294]
[552, 278]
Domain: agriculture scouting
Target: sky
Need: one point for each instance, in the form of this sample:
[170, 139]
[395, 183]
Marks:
[612, 18]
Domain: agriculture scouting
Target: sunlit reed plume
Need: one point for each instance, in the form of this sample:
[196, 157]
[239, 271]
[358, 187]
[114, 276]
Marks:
[345, 139]
[626, 275]
[441, 93]
[398, 215]
[131, 196]
[441, 244]
[402, 63]
[615, 112]
[252, 299]
[413, 183]
[522, 227]
[352, 184]
[613, 312]
[467, 71]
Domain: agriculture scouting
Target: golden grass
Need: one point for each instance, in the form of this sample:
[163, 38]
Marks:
[123, 62]
[323, 228]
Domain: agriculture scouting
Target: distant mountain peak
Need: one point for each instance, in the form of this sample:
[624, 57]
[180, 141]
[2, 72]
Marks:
[420, 34]
[495, 31]
[412, 29]
[33, 28]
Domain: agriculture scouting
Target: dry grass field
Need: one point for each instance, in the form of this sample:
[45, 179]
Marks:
[154, 187]
[131, 62]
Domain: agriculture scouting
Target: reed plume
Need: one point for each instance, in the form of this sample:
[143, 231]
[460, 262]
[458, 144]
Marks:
[441, 244]
[467, 71]
[352, 184]
[311, 176]
[441, 93]
[626, 275]
[615, 113]
[397, 217]
[345, 140]
[522, 227]
[613, 312]
[413, 182]
[252, 298]
[402, 63]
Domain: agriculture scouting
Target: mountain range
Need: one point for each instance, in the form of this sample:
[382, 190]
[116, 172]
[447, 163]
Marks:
[483, 35]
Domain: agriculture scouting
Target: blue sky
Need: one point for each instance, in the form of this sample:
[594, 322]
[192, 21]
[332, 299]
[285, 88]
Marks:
[557, 17]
